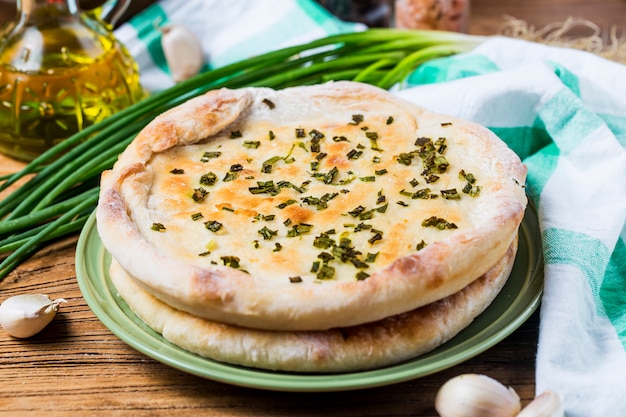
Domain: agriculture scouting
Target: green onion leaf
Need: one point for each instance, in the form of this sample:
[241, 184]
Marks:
[157, 227]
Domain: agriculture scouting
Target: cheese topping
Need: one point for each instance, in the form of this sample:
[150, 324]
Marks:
[309, 208]
[300, 203]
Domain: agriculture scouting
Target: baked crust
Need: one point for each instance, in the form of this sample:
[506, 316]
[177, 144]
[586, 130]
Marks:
[194, 269]
[367, 346]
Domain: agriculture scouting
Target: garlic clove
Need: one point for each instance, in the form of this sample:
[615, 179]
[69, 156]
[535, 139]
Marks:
[546, 404]
[27, 314]
[474, 395]
[183, 51]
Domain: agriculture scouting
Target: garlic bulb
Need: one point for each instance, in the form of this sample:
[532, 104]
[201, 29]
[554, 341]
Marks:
[547, 404]
[473, 395]
[27, 314]
[183, 51]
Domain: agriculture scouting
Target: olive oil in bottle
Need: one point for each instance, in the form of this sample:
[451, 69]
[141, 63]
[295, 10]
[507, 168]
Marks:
[60, 72]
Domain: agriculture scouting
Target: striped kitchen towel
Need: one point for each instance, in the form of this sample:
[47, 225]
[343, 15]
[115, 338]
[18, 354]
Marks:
[228, 30]
[564, 112]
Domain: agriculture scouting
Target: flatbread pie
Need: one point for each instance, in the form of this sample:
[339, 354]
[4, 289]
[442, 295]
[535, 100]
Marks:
[367, 346]
[309, 208]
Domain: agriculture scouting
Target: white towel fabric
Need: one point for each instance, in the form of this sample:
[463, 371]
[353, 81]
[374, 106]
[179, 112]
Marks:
[228, 30]
[562, 111]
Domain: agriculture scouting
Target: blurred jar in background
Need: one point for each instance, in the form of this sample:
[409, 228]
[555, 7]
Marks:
[449, 15]
[373, 13]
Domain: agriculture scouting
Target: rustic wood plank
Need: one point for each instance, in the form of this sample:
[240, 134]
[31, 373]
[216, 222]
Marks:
[487, 16]
[76, 366]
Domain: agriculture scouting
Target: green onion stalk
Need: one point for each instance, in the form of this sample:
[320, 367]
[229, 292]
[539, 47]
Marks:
[60, 187]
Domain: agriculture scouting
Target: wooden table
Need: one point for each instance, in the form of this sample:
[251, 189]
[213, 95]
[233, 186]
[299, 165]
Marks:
[77, 367]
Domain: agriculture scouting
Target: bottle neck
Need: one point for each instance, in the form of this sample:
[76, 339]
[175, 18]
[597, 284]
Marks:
[46, 8]
[52, 34]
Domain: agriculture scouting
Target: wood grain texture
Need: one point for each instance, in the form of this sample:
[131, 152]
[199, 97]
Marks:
[77, 367]
[488, 16]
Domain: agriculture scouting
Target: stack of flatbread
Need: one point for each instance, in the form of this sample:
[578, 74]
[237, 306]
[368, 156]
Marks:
[325, 228]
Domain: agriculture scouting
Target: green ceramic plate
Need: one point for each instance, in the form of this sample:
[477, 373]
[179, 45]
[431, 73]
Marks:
[517, 301]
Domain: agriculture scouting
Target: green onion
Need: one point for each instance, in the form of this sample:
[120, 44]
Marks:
[231, 261]
[213, 225]
[208, 179]
[158, 227]
[267, 233]
[62, 185]
[199, 194]
[33, 243]
[439, 223]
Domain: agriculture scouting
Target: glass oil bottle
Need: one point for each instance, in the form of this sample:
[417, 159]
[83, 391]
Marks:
[61, 71]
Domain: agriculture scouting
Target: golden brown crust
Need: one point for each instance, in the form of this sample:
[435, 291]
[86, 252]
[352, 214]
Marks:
[141, 191]
[367, 346]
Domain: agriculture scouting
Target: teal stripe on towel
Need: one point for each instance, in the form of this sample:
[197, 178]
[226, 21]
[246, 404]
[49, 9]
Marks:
[144, 23]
